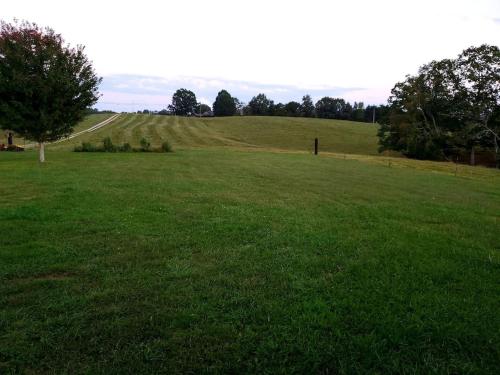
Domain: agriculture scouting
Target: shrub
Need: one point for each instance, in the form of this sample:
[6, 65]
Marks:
[166, 147]
[145, 145]
[108, 145]
[86, 147]
[126, 148]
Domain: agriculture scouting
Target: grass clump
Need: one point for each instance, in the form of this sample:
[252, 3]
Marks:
[166, 147]
[145, 145]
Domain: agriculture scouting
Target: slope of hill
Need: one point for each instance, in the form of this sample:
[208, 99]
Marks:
[282, 133]
[88, 122]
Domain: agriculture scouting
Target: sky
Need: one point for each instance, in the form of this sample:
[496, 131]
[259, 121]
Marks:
[356, 49]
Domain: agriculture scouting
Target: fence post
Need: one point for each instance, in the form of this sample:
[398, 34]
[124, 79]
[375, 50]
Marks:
[315, 146]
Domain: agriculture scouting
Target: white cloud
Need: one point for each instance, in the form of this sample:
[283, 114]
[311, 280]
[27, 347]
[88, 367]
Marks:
[313, 44]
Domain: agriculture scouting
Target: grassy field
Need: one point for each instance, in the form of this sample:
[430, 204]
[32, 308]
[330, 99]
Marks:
[85, 124]
[218, 260]
[278, 133]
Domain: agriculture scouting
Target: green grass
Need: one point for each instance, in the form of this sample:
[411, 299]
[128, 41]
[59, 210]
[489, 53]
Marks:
[89, 121]
[270, 133]
[213, 260]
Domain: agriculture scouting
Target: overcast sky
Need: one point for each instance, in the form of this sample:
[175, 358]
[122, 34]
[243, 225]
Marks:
[357, 50]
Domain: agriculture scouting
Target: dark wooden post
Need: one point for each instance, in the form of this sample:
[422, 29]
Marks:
[315, 146]
[9, 139]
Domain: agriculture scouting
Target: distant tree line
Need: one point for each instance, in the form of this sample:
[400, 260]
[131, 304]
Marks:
[449, 109]
[184, 103]
[93, 111]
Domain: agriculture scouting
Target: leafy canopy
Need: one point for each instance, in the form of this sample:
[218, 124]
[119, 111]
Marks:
[45, 85]
[183, 102]
[260, 105]
[224, 104]
[449, 107]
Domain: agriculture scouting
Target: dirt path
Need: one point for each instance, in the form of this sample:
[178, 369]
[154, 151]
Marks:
[91, 129]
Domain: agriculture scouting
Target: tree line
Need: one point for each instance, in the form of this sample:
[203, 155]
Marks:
[184, 103]
[449, 109]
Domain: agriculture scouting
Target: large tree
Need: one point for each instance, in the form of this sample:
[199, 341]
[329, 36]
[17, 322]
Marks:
[202, 109]
[332, 108]
[478, 77]
[224, 104]
[307, 106]
[240, 106]
[259, 105]
[45, 85]
[183, 103]
[448, 108]
[292, 109]
[423, 114]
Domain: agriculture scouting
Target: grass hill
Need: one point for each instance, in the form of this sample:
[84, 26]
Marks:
[283, 133]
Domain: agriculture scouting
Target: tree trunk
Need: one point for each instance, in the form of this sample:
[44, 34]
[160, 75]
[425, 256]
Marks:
[472, 156]
[41, 154]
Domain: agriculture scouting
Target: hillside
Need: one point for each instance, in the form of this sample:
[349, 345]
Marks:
[282, 133]
[88, 122]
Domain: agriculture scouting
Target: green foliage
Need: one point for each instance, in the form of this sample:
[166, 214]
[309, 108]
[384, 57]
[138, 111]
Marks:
[292, 109]
[278, 109]
[333, 108]
[224, 104]
[46, 87]
[259, 105]
[240, 106]
[145, 145]
[183, 102]
[88, 147]
[166, 147]
[126, 147]
[108, 145]
[307, 106]
[447, 108]
[202, 108]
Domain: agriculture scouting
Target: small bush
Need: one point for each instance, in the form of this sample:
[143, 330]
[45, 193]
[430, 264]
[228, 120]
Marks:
[145, 145]
[126, 148]
[108, 145]
[166, 147]
[86, 147]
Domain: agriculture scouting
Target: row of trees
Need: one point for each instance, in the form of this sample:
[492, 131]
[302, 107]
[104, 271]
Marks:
[449, 108]
[184, 103]
[326, 107]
